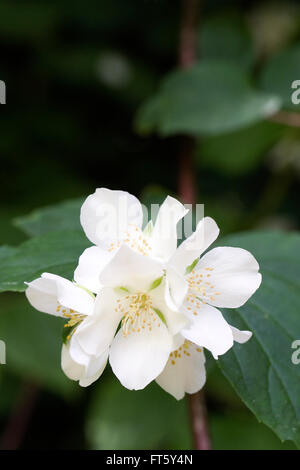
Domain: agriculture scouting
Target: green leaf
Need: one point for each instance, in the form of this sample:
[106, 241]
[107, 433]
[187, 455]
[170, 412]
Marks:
[261, 371]
[280, 72]
[63, 216]
[6, 251]
[190, 268]
[210, 98]
[240, 151]
[147, 419]
[33, 344]
[57, 253]
[156, 283]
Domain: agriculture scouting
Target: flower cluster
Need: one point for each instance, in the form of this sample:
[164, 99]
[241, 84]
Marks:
[141, 302]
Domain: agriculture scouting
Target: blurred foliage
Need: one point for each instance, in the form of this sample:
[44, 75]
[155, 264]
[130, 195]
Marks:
[146, 419]
[209, 98]
[225, 36]
[239, 152]
[279, 73]
[76, 75]
[33, 344]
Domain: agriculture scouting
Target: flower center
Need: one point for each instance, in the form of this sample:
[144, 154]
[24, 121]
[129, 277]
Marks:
[74, 319]
[138, 313]
[135, 239]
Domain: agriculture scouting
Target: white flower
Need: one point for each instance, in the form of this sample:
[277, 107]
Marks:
[135, 297]
[156, 306]
[224, 277]
[113, 218]
[57, 296]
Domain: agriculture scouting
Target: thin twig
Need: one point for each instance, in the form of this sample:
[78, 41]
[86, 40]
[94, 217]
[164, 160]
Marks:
[186, 181]
[188, 33]
[18, 422]
[198, 414]
[187, 192]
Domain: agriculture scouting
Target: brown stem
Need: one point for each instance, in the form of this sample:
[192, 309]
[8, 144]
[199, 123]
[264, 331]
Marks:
[198, 416]
[20, 417]
[187, 182]
[188, 194]
[188, 33]
[186, 58]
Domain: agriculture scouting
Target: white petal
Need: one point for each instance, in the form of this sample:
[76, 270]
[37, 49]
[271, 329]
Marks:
[164, 235]
[49, 291]
[230, 276]
[162, 301]
[178, 285]
[139, 358]
[240, 336]
[91, 264]
[97, 365]
[106, 214]
[76, 352]
[131, 270]
[85, 375]
[95, 333]
[209, 329]
[87, 381]
[178, 341]
[205, 234]
[184, 374]
[72, 369]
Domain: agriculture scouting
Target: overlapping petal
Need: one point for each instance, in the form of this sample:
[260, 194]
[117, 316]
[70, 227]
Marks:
[50, 291]
[164, 234]
[184, 371]
[131, 270]
[205, 234]
[91, 263]
[161, 298]
[86, 375]
[96, 333]
[209, 329]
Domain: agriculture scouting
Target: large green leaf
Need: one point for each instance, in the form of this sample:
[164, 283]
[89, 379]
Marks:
[63, 216]
[280, 72]
[147, 419]
[57, 253]
[262, 371]
[210, 98]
